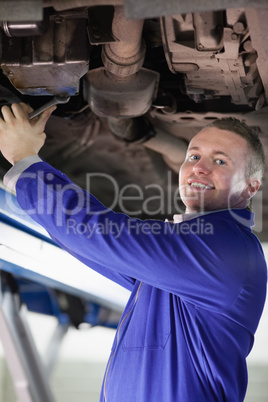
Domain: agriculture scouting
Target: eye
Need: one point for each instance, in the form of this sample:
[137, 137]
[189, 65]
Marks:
[193, 157]
[220, 162]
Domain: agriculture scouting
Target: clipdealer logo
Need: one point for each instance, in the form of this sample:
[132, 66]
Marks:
[63, 199]
[151, 199]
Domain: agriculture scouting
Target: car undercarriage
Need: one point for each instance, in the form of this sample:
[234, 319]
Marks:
[143, 78]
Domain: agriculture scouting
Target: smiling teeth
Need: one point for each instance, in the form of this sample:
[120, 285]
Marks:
[200, 185]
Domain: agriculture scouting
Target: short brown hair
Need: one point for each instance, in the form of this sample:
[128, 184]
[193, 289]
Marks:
[256, 163]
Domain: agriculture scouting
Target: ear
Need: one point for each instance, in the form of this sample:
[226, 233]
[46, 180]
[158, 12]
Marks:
[253, 185]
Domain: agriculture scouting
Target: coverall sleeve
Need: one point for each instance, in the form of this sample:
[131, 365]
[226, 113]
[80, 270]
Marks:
[206, 267]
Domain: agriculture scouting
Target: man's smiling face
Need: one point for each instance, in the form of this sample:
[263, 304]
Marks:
[213, 175]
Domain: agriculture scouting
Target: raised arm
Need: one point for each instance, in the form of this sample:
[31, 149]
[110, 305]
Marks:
[195, 265]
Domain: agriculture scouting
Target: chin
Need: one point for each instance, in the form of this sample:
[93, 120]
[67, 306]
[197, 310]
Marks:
[195, 208]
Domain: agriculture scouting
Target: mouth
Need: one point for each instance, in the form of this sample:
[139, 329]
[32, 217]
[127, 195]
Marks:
[200, 185]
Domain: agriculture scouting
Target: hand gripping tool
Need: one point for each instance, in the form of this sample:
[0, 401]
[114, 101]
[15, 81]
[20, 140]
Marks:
[54, 101]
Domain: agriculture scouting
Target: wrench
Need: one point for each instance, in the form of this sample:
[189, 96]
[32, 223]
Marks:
[54, 101]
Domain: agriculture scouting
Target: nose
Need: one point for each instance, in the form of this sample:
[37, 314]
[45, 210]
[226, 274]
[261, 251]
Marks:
[202, 167]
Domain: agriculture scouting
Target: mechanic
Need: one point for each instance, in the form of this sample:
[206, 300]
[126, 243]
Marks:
[196, 295]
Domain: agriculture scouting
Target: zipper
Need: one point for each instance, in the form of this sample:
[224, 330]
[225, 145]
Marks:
[117, 341]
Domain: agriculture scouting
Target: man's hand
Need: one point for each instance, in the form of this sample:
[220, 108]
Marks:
[19, 136]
